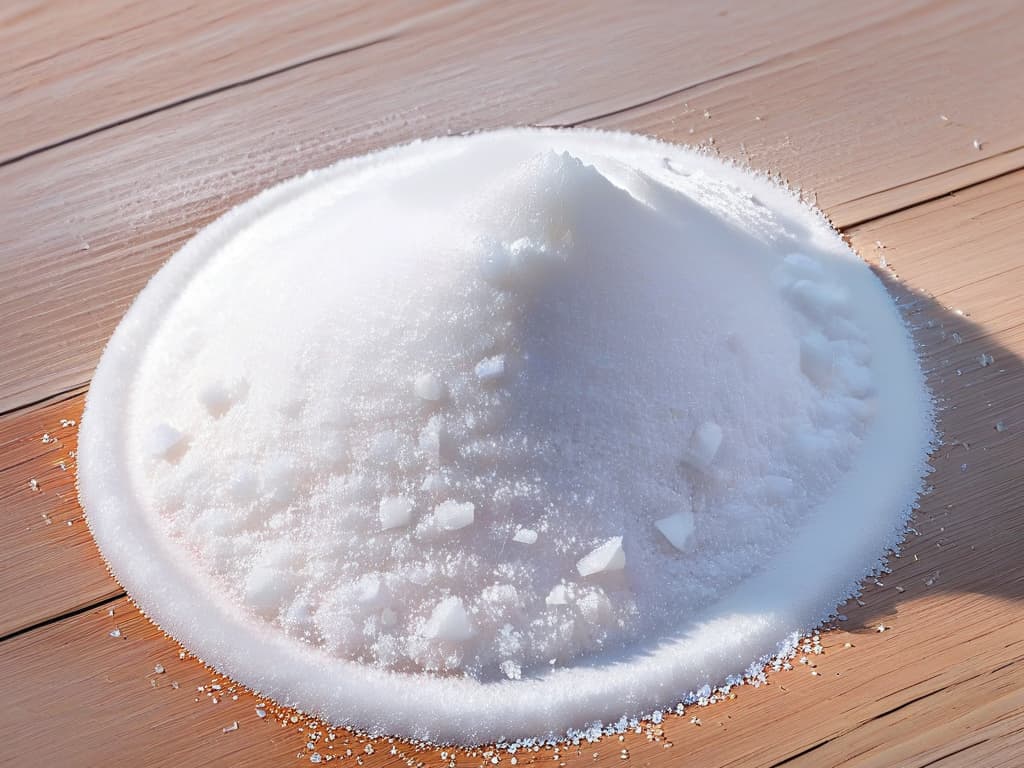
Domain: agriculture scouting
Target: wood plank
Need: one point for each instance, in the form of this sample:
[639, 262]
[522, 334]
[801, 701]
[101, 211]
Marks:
[945, 678]
[73, 68]
[132, 194]
[898, 105]
[51, 565]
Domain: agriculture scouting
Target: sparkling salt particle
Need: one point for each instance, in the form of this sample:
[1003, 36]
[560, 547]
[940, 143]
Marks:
[167, 443]
[453, 515]
[704, 445]
[559, 595]
[395, 512]
[491, 369]
[525, 536]
[676, 528]
[608, 557]
[428, 387]
[449, 621]
[216, 398]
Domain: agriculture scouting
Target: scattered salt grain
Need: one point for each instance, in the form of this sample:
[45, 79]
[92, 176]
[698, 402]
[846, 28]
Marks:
[230, 728]
[395, 512]
[428, 387]
[609, 556]
[525, 536]
[704, 445]
[159, 669]
[453, 515]
[677, 528]
[491, 369]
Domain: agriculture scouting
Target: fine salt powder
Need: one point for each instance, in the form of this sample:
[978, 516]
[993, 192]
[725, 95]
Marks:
[497, 436]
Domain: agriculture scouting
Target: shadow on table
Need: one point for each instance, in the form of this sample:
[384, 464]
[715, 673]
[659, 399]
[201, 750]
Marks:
[967, 535]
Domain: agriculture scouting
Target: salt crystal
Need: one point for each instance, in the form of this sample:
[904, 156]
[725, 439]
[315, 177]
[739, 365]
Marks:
[676, 528]
[609, 556]
[491, 369]
[428, 387]
[525, 536]
[449, 621]
[453, 515]
[457, 345]
[704, 445]
[159, 669]
[395, 512]
[215, 398]
[558, 595]
[230, 728]
[167, 443]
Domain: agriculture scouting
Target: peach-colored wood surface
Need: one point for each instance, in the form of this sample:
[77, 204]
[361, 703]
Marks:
[850, 100]
[845, 100]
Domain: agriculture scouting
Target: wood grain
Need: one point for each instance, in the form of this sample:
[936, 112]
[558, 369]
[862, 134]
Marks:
[97, 64]
[86, 224]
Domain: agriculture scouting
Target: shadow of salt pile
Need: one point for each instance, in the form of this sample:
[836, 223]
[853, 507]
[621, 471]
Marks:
[966, 535]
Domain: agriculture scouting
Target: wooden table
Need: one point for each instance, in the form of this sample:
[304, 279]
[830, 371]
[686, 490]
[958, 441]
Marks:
[124, 128]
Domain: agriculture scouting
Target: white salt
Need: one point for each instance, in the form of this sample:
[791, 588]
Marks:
[449, 621]
[490, 369]
[607, 557]
[395, 512]
[428, 387]
[525, 536]
[558, 595]
[704, 445]
[453, 515]
[558, 416]
[676, 528]
[166, 442]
